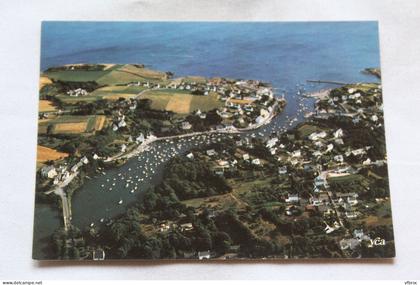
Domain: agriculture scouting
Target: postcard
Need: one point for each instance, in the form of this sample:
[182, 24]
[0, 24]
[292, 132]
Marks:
[211, 140]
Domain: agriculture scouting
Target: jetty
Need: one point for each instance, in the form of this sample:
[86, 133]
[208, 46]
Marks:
[327, 81]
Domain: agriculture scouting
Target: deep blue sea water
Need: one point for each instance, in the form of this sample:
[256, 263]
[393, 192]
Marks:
[281, 53]
[284, 54]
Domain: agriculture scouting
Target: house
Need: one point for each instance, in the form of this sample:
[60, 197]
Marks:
[339, 141]
[163, 227]
[338, 133]
[352, 200]
[351, 214]
[84, 160]
[320, 181]
[211, 152]
[74, 168]
[316, 201]
[123, 148]
[203, 255]
[245, 156]
[48, 171]
[219, 171]
[186, 125]
[259, 120]
[359, 151]
[271, 142]
[360, 235]
[98, 254]
[349, 244]
[367, 161]
[292, 198]
[296, 153]
[122, 123]
[292, 211]
[282, 170]
[329, 229]
[186, 227]
[256, 161]
[329, 147]
[316, 136]
[140, 138]
[190, 155]
[223, 163]
[339, 158]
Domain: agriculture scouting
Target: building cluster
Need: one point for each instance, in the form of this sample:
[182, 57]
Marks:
[62, 172]
[77, 92]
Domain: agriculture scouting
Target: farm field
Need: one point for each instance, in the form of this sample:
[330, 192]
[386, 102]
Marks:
[107, 93]
[45, 154]
[77, 75]
[181, 102]
[46, 106]
[130, 73]
[44, 80]
[72, 125]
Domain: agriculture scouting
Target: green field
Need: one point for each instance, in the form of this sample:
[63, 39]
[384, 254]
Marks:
[118, 74]
[130, 73]
[77, 75]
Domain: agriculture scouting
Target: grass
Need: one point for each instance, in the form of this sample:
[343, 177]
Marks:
[346, 179]
[363, 86]
[77, 75]
[130, 73]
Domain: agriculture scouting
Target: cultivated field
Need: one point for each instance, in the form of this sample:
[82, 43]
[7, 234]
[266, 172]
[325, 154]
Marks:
[241, 101]
[45, 154]
[181, 102]
[72, 125]
[46, 106]
[44, 80]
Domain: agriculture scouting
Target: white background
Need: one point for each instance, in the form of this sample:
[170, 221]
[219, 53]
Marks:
[19, 73]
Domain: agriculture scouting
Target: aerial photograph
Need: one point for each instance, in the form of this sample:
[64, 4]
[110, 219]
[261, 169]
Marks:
[211, 140]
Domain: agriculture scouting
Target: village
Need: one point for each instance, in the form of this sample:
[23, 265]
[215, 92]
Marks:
[318, 170]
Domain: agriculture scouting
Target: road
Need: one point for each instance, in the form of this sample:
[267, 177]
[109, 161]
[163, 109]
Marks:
[66, 204]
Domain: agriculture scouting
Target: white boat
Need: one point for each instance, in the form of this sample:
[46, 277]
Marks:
[120, 202]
